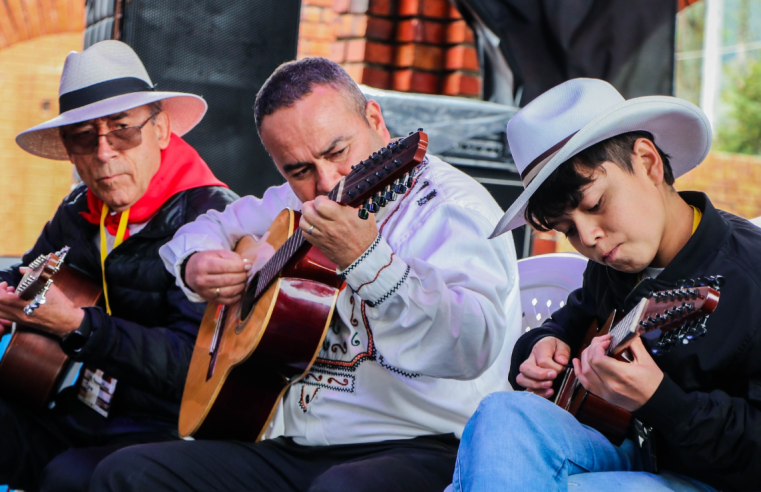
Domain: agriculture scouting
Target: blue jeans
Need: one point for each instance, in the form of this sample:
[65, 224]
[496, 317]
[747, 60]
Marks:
[520, 441]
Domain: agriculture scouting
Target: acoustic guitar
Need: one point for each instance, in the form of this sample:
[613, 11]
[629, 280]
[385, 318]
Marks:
[34, 364]
[679, 314]
[249, 353]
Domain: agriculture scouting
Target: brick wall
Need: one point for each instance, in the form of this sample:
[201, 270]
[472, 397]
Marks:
[731, 181]
[31, 187]
[405, 45]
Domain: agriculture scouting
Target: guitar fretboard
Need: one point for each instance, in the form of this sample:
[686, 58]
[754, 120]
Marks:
[627, 326]
[283, 255]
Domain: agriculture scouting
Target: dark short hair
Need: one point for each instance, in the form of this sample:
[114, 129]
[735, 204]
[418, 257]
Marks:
[156, 106]
[294, 80]
[562, 189]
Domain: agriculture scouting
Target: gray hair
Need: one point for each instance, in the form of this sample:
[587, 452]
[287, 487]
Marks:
[294, 80]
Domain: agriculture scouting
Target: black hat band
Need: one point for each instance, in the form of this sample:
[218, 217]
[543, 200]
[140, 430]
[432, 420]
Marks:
[102, 90]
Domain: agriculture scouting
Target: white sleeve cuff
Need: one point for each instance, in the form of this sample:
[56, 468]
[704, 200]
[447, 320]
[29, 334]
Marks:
[175, 251]
[377, 274]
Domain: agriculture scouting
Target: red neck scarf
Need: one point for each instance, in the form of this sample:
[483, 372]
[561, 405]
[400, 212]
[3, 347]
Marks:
[181, 169]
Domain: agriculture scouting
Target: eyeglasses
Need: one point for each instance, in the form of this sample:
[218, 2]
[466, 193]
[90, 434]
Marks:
[84, 143]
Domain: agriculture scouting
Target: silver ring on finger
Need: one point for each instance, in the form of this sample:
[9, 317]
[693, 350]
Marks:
[217, 292]
[310, 230]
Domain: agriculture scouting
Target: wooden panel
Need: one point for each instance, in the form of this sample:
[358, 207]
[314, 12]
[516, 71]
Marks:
[6, 25]
[34, 21]
[19, 18]
[48, 9]
[29, 92]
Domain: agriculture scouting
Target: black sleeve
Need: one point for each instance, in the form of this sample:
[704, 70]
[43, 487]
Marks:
[568, 323]
[713, 431]
[154, 359]
[717, 432]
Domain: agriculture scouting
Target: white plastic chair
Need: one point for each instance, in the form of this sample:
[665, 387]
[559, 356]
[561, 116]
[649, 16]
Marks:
[545, 282]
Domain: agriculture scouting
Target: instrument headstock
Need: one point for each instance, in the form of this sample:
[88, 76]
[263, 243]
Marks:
[679, 314]
[38, 279]
[385, 174]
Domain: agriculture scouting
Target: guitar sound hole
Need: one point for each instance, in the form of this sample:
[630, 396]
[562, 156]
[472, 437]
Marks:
[248, 302]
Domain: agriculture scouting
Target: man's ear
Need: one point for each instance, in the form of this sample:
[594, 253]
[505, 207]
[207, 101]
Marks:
[645, 153]
[163, 129]
[375, 119]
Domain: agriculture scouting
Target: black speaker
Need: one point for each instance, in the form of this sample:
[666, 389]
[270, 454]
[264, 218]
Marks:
[223, 51]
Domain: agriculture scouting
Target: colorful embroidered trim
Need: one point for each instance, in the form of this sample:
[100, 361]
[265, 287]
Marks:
[390, 261]
[362, 257]
[341, 381]
[382, 362]
[390, 292]
[352, 365]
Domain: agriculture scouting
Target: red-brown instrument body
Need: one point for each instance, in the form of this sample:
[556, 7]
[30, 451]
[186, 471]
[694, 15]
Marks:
[34, 365]
[249, 353]
[300, 306]
[611, 420]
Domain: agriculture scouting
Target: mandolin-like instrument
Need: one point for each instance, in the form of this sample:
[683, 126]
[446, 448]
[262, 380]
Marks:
[679, 314]
[34, 364]
[249, 353]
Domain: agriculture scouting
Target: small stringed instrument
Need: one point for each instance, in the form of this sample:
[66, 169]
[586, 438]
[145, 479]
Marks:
[679, 314]
[249, 353]
[34, 364]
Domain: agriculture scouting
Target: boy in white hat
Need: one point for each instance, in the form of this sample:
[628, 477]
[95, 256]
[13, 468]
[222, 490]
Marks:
[601, 170]
[141, 182]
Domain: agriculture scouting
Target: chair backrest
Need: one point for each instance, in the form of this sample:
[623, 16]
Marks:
[545, 282]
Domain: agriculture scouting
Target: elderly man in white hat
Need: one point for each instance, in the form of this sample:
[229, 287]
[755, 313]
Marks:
[141, 182]
[601, 170]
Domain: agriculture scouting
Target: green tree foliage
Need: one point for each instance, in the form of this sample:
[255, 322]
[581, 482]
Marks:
[741, 132]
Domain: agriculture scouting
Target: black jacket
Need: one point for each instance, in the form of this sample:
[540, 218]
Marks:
[707, 410]
[147, 343]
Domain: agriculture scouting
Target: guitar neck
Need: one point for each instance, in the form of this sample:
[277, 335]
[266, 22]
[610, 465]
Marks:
[368, 184]
[626, 329]
[679, 313]
[278, 261]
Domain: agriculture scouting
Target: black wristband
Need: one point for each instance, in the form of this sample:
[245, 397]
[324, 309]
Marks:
[72, 342]
[183, 267]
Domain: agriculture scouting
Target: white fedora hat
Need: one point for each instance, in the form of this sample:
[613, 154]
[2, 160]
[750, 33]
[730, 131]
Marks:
[106, 78]
[582, 112]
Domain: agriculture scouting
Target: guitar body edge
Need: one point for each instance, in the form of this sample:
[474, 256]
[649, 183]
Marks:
[610, 420]
[262, 351]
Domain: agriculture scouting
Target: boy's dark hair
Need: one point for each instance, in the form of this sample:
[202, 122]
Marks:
[292, 81]
[562, 189]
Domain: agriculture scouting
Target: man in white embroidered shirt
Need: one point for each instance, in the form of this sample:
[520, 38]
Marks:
[408, 356]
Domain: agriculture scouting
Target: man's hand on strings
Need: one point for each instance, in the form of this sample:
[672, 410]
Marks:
[548, 358]
[337, 230]
[217, 275]
[626, 384]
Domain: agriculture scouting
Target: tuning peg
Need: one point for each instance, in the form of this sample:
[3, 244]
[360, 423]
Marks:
[410, 181]
[380, 200]
[397, 162]
[420, 129]
[717, 282]
[399, 187]
[372, 207]
[390, 194]
[411, 134]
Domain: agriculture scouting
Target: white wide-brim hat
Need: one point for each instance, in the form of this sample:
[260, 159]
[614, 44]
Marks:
[106, 78]
[579, 113]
